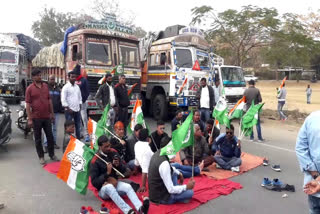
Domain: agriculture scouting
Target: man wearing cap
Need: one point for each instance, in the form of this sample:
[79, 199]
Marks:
[71, 101]
[40, 114]
[121, 94]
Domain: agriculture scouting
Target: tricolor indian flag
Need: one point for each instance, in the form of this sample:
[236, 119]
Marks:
[183, 85]
[237, 110]
[92, 126]
[74, 166]
[283, 81]
[136, 117]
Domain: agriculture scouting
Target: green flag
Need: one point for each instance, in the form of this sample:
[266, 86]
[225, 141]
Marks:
[118, 70]
[181, 137]
[250, 118]
[220, 112]
[103, 123]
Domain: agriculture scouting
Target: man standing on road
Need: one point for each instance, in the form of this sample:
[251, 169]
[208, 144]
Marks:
[309, 92]
[281, 101]
[105, 93]
[71, 101]
[55, 95]
[253, 94]
[83, 84]
[308, 152]
[121, 94]
[217, 90]
[40, 114]
[206, 98]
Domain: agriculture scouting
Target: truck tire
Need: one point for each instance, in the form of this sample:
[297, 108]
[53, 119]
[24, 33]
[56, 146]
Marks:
[159, 107]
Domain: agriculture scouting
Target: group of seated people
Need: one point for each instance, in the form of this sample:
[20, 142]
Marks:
[140, 152]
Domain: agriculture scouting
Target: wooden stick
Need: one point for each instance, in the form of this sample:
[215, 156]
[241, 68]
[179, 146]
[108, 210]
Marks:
[110, 163]
[193, 158]
[112, 134]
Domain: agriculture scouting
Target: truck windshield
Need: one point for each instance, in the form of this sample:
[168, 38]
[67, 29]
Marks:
[7, 57]
[98, 53]
[232, 76]
[184, 58]
[203, 59]
[129, 56]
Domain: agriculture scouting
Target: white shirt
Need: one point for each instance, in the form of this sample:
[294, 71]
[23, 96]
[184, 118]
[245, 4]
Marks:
[164, 170]
[112, 97]
[71, 96]
[204, 98]
[143, 155]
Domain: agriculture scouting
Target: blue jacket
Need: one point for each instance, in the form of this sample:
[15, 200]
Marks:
[84, 88]
[228, 148]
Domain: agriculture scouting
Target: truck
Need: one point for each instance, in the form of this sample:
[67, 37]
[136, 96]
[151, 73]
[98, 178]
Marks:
[98, 46]
[169, 79]
[16, 54]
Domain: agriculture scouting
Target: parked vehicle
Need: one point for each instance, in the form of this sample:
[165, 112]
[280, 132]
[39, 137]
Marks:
[5, 123]
[22, 121]
[247, 78]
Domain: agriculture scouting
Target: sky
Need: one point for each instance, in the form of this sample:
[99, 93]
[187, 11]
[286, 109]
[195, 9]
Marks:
[17, 16]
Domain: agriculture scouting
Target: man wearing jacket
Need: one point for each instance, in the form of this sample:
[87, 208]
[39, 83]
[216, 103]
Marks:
[105, 93]
[121, 94]
[105, 179]
[281, 101]
[205, 95]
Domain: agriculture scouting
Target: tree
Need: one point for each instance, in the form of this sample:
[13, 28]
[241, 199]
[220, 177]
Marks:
[52, 25]
[311, 21]
[237, 33]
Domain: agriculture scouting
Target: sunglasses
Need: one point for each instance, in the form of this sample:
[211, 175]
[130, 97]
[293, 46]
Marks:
[230, 133]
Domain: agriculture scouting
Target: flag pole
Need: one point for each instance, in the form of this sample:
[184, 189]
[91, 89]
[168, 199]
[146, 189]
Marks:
[154, 143]
[108, 163]
[112, 134]
[193, 157]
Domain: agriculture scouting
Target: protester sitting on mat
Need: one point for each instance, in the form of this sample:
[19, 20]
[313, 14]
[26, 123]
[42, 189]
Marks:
[120, 146]
[157, 135]
[163, 181]
[196, 120]
[177, 120]
[105, 179]
[143, 156]
[201, 150]
[69, 127]
[228, 151]
[207, 133]
[131, 141]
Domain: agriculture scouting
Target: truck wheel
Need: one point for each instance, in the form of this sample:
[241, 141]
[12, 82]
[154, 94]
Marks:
[159, 107]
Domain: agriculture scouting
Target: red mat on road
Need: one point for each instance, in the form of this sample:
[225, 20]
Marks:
[205, 189]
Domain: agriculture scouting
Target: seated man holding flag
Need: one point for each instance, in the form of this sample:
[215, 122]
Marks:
[104, 172]
[227, 151]
[118, 141]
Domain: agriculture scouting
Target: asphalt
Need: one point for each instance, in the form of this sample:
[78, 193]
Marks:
[26, 188]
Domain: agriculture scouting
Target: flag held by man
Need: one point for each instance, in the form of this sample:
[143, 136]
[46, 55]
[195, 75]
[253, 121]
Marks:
[136, 117]
[250, 118]
[220, 112]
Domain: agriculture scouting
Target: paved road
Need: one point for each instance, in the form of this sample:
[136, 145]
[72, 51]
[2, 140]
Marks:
[26, 188]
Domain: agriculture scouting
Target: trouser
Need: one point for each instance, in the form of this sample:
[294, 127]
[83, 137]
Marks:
[131, 164]
[280, 106]
[207, 160]
[308, 98]
[227, 163]
[76, 117]
[84, 118]
[186, 170]
[110, 192]
[258, 127]
[123, 115]
[38, 125]
[185, 196]
[54, 130]
[314, 204]
[204, 114]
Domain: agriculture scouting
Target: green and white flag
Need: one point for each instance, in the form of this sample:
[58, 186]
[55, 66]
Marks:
[118, 70]
[237, 111]
[220, 112]
[103, 123]
[181, 137]
[250, 118]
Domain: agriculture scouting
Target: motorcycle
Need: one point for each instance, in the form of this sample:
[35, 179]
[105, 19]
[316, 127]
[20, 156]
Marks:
[22, 121]
[5, 123]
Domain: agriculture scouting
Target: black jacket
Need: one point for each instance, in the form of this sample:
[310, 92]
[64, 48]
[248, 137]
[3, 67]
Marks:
[156, 141]
[103, 96]
[55, 94]
[211, 96]
[98, 169]
[121, 94]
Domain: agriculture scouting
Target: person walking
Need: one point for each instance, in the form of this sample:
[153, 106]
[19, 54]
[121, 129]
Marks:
[281, 101]
[71, 101]
[308, 152]
[309, 92]
[205, 95]
[40, 114]
[55, 95]
[121, 93]
[253, 94]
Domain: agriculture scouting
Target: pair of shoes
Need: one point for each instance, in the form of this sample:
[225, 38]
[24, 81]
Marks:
[45, 149]
[235, 169]
[261, 140]
[276, 168]
[265, 162]
[54, 158]
[266, 182]
[87, 139]
[274, 185]
[251, 140]
[56, 146]
[104, 209]
[145, 206]
[42, 161]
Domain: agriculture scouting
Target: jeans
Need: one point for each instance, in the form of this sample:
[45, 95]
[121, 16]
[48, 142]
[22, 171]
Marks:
[84, 118]
[227, 163]
[131, 164]
[280, 106]
[108, 191]
[314, 204]
[186, 170]
[308, 98]
[258, 126]
[76, 117]
[123, 115]
[182, 197]
[54, 130]
[38, 125]
[204, 114]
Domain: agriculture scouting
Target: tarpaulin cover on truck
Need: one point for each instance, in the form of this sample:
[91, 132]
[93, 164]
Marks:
[32, 46]
[49, 57]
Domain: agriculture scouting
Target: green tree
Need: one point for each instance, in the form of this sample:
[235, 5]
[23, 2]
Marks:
[236, 33]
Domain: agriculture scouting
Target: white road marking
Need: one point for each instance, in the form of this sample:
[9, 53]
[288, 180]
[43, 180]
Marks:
[272, 146]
